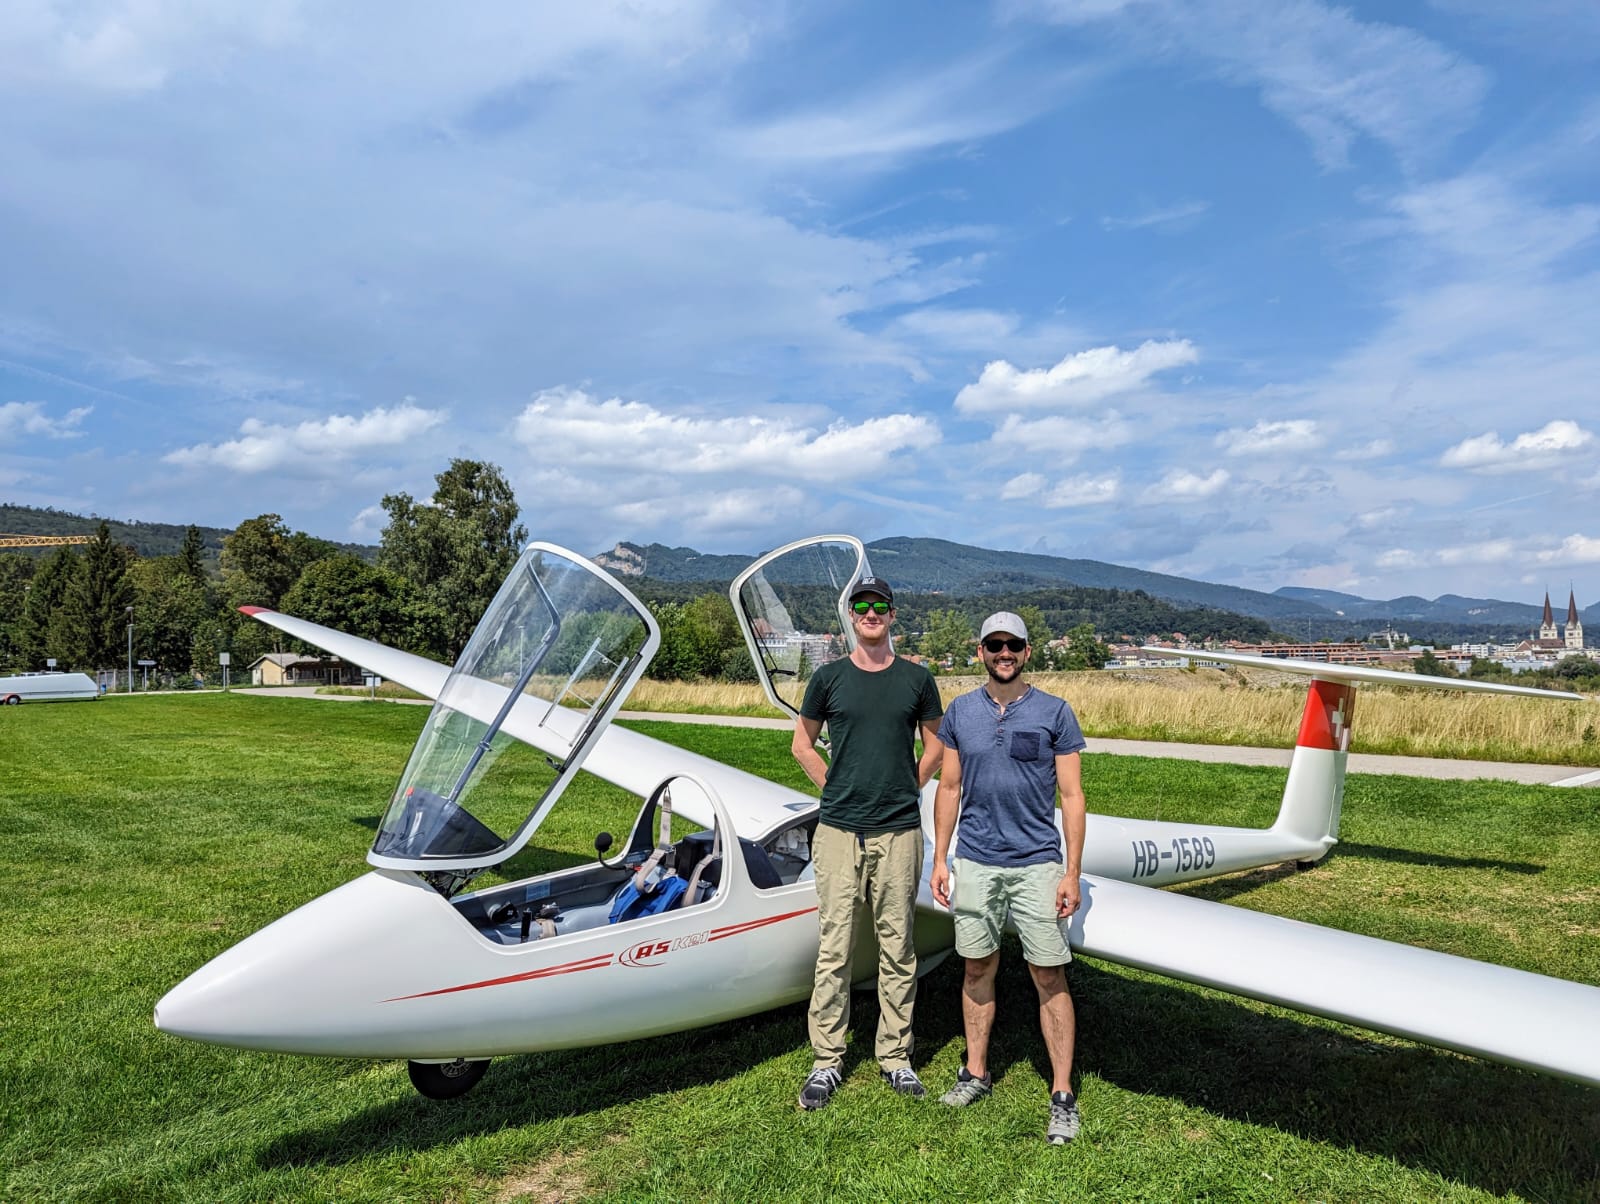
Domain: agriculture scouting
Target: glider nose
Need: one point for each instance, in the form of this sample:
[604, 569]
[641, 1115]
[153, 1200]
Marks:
[307, 983]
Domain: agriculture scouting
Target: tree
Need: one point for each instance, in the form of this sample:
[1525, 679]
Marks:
[1039, 633]
[948, 638]
[456, 549]
[347, 593]
[258, 562]
[46, 594]
[1431, 666]
[94, 613]
[1084, 649]
[191, 556]
[16, 573]
[170, 607]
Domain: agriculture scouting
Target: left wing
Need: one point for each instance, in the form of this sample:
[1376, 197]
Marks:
[426, 677]
[635, 762]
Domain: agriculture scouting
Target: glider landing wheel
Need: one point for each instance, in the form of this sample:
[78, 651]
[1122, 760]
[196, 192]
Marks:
[446, 1080]
[12, 700]
[1306, 865]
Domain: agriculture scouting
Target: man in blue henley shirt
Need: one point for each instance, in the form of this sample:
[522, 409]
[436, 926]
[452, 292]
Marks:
[1008, 750]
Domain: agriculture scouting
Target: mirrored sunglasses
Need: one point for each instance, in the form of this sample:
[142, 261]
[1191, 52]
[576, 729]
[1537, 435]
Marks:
[863, 607]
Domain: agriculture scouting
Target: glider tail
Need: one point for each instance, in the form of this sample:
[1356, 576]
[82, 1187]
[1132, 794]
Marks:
[1315, 790]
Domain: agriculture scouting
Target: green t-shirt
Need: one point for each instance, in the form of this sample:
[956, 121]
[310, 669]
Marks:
[872, 723]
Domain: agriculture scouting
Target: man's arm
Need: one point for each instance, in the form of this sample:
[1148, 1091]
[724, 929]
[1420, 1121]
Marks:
[1069, 782]
[932, 752]
[946, 806]
[804, 748]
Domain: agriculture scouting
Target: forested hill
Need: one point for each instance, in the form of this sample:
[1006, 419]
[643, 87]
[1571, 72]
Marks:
[1114, 614]
[937, 566]
[147, 539]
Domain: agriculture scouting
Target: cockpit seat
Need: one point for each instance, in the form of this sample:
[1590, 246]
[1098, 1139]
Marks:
[693, 848]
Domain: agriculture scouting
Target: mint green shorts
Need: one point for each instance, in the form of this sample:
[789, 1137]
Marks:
[982, 895]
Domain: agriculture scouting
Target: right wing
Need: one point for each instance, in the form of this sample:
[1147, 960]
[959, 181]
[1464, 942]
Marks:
[635, 762]
[1530, 1020]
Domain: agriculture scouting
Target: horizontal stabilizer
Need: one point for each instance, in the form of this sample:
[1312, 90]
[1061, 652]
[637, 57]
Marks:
[1388, 677]
[1512, 1016]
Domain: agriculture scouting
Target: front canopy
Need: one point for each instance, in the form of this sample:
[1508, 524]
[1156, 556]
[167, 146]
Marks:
[549, 663]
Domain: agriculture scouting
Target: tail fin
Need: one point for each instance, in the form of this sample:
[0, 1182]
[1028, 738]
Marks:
[1314, 794]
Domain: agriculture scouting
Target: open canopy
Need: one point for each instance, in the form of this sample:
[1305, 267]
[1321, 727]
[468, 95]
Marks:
[791, 605]
[551, 660]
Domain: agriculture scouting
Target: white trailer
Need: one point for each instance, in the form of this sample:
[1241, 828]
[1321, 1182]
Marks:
[47, 687]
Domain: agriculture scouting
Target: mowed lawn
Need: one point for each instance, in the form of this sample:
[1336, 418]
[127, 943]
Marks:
[144, 835]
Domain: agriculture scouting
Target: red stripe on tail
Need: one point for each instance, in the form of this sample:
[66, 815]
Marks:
[1326, 722]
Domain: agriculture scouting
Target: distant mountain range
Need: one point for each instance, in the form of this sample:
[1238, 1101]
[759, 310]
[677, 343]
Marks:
[939, 566]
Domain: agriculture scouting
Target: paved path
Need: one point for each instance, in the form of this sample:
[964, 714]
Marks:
[1417, 767]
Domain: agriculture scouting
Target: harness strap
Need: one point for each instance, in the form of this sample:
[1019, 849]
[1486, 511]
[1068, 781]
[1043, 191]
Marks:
[661, 849]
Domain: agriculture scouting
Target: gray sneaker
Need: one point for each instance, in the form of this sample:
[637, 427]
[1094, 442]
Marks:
[819, 1087]
[969, 1089]
[1063, 1126]
[905, 1082]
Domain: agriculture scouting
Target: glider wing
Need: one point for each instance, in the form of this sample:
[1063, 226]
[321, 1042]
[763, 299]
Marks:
[1530, 1020]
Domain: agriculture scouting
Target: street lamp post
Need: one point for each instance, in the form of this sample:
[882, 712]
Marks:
[130, 650]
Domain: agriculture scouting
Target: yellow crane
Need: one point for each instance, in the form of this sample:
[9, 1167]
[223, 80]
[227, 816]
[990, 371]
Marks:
[42, 541]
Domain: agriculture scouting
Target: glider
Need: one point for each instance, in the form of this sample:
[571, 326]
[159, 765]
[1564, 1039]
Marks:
[676, 931]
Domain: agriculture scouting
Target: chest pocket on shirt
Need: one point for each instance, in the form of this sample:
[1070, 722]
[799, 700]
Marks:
[1024, 746]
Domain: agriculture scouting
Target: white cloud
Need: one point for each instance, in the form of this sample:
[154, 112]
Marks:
[1172, 215]
[1022, 485]
[1335, 77]
[1480, 552]
[1372, 520]
[1574, 549]
[637, 436]
[1076, 380]
[1534, 449]
[720, 511]
[29, 418]
[264, 447]
[1084, 491]
[955, 105]
[1064, 438]
[1375, 450]
[1181, 485]
[1271, 438]
[132, 45]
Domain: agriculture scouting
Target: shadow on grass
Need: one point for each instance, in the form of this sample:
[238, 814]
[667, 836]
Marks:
[1220, 890]
[1474, 1123]
[1378, 852]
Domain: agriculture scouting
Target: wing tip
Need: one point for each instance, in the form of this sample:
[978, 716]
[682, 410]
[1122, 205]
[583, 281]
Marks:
[253, 611]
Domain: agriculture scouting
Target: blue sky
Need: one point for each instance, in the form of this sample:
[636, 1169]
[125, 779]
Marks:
[1265, 293]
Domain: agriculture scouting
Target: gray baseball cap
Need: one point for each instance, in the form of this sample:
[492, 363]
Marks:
[1003, 621]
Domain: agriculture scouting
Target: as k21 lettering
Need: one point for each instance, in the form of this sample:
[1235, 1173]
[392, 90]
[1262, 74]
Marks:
[1185, 853]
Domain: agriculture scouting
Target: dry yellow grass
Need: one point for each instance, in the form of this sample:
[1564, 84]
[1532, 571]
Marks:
[1212, 707]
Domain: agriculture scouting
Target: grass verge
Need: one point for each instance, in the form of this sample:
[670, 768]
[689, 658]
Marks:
[144, 838]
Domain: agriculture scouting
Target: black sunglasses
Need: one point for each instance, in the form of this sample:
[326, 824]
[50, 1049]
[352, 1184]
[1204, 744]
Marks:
[995, 642]
[862, 608]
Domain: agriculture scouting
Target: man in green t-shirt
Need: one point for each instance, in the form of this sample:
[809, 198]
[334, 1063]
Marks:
[867, 850]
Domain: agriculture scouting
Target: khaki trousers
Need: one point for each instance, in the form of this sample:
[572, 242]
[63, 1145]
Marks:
[879, 873]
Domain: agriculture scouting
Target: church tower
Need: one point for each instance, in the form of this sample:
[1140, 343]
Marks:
[1547, 629]
[1574, 625]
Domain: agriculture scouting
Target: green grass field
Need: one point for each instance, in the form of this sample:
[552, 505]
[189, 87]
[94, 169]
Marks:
[144, 835]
